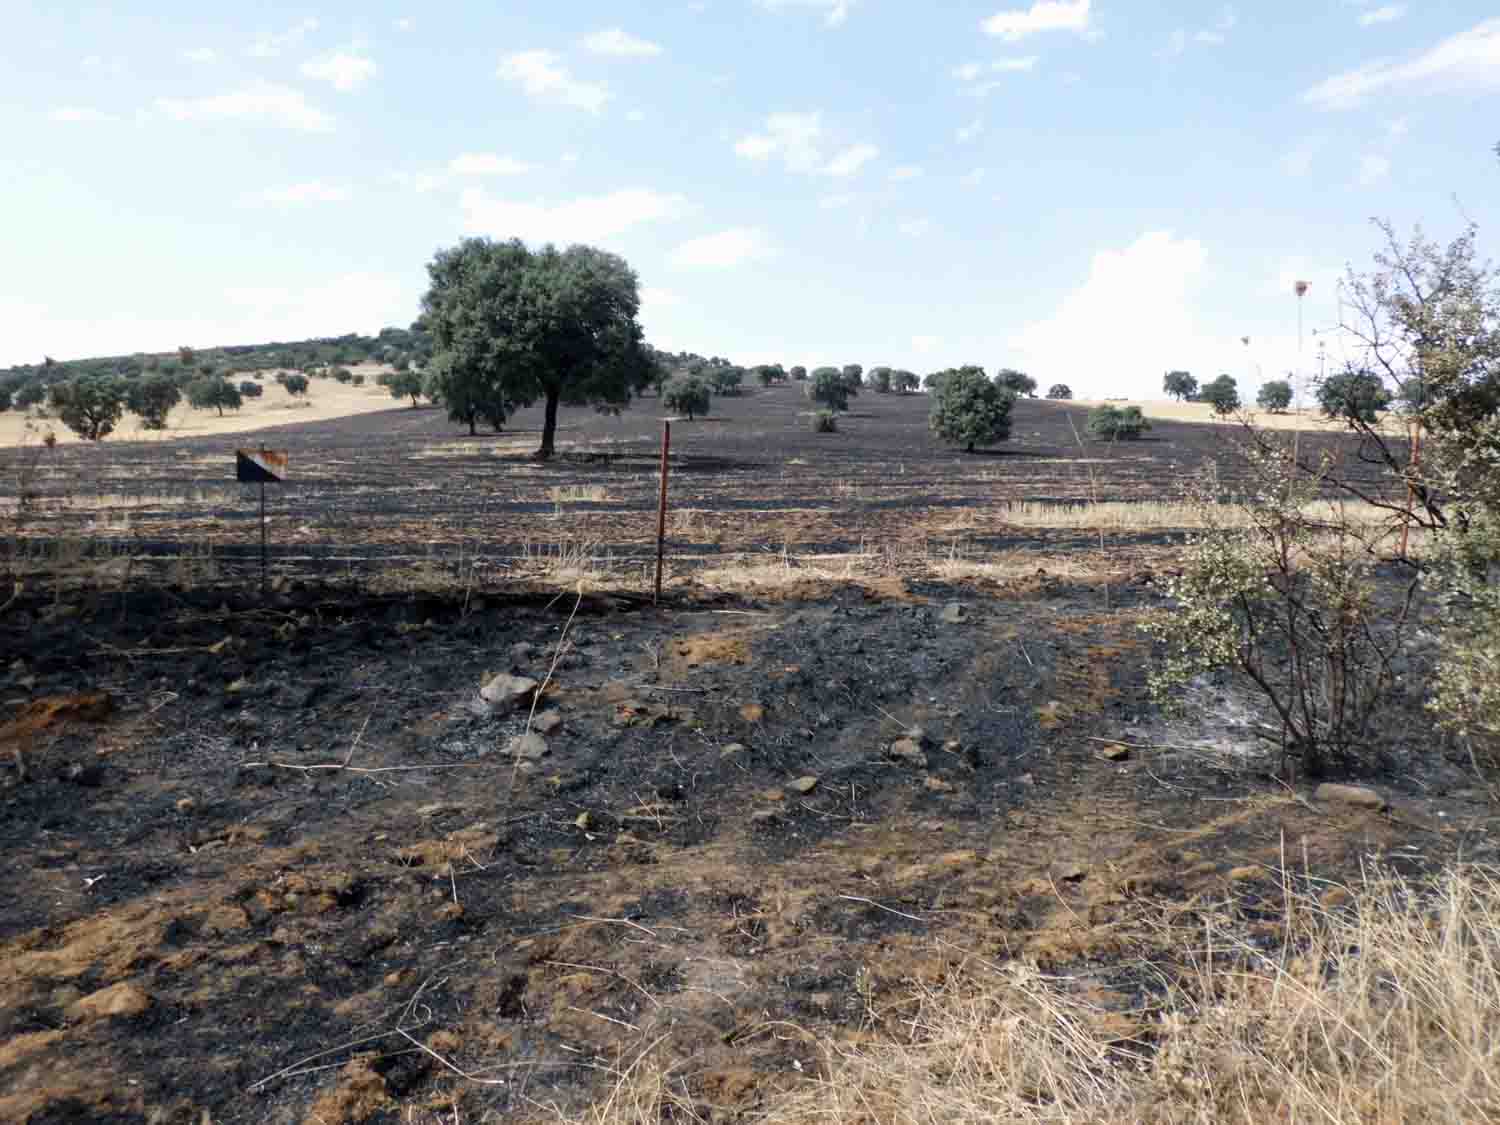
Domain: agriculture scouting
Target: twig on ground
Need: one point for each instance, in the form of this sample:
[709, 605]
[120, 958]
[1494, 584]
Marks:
[610, 972]
[537, 695]
[614, 921]
[355, 745]
[887, 909]
[602, 1016]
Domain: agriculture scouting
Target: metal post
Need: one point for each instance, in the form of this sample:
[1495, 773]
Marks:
[661, 511]
[263, 538]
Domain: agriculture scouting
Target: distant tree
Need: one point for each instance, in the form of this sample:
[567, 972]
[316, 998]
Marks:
[405, 384]
[969, 410]
[1354, 396]
[1274, 396]
[1016, 382]
[1223, 394]
[187, 357]
[770, 374]
[33, 392]
[251, 389]
[89, 405]
[343, 375]
[1059, 391]
[687, 394]
[295, 384]
[934, 380]
[726, 380]
[1113, 423]
[401, 363]
[829, 388]
[904, 382]
[510, 325]
[854, 377]
[152, 399]
[7, 395]
[213, 392]
[1179, 384]
[880, 380]
[799, 373]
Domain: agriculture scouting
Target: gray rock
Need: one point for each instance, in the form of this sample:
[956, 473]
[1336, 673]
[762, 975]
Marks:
[547, 722]
[919, 736]
[1356, 795]
[521, 653]
[906, 751]
[732, 749]
[505, 691]
[954, 613]
[804, 784]
[529, 747]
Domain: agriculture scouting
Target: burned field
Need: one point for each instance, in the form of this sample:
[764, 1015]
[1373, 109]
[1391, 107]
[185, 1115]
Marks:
[278, 860]
[408, 488]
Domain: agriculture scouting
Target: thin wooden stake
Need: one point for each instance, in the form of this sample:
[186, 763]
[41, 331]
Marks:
[661, 511]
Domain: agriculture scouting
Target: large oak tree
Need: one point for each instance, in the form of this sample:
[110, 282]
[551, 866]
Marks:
[511, 325]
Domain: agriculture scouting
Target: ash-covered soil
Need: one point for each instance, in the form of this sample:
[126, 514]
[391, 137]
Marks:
[274, 861]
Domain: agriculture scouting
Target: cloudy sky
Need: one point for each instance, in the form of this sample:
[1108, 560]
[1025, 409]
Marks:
[1091, 190]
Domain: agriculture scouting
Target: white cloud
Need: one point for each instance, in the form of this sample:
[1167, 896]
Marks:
[201, 55]
[835, 11]
[1043, 15]
[971, 73]
[1129, 321]
[487, 164]
[728, 248]
[569, 158]
[1297, 162]
[342, 70]
[967, 133]
[313, 191]
[636, 115]
[261, 104]
[974, 178]
[270, 45]
[80, 114]
[1398, 128]
[1211, 38]
[851, 160]
[542, 77]
[794, 137]
[968, 71]
[586, 219]
[419, 182]
[1176, 45]
[1469, 60]
[620, 44]
[402, 24]
[915, 228]
[1373, 167]
[905, 172]
[836, 202]
[1390, 13]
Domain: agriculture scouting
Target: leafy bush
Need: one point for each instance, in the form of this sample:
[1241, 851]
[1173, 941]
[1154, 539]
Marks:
[688, 395]
[152, 399]
[342, 375]
[829, 388]
[799, 373]
[969, 410]
[359, 380]
[1180, 385]
[726, 380]
[31, 393]
[1113, 423]
[295, 384]
[405, 384]
[1287, 594]
[880, 380]
[904, 382]
[1275, 396]
[90, 406]
[854, 377]
[825, 422]
[251, 389]
[1059, 391]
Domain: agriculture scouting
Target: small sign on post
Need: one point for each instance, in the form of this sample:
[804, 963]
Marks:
[262, 467]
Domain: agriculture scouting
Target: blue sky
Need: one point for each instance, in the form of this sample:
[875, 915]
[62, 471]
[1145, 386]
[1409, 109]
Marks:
[1091, 191]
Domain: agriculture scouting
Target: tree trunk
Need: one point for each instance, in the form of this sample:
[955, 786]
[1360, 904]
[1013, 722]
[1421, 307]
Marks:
[971, 448]
[549, 426]
[473, 430]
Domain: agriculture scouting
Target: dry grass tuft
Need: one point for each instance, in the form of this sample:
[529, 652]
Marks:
[1380, 1004]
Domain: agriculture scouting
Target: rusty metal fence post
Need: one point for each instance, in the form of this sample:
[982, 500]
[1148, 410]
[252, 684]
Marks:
[661, 510]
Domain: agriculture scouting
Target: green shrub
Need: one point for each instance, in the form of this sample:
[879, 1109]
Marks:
[342, 375]
[969, 410]
[213, 392]
[1112, 423]
[829, 388]
[825, 422]
[251, 389]
[90, 405]
[688, 395]
[295, 384]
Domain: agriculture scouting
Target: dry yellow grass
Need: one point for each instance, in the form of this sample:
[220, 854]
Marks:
[1380, 1004]
[325, 400]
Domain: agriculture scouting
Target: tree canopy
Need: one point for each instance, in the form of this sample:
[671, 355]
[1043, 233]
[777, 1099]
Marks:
[213, 392]
[829, 388]
[1016, 382]
[90, 406]
[1353, 396]
[1179, 384]
[153, 398]
[1059, 391]
[1223, 394]
[510, 325]
[1274, 396]
[969, 410]
[686, 394]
